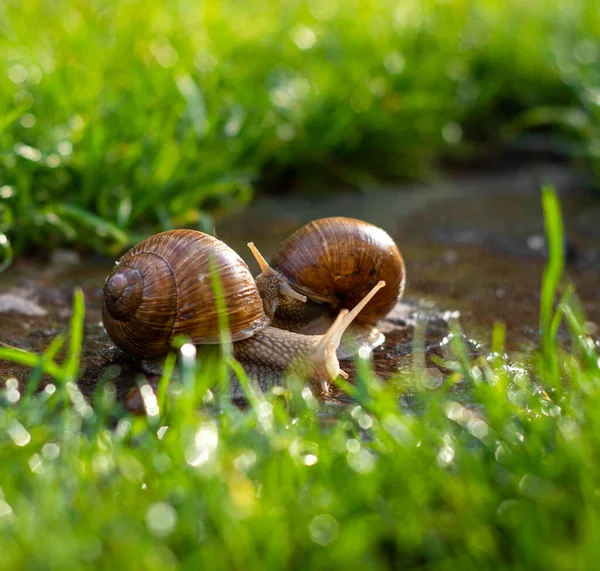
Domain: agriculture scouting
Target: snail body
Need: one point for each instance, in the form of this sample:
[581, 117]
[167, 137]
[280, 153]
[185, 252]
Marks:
[165, 286]
[333, 262]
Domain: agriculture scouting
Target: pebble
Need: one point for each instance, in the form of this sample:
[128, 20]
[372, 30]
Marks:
[11, 303]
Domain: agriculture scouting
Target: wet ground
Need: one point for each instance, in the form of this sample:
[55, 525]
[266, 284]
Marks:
[473, 246]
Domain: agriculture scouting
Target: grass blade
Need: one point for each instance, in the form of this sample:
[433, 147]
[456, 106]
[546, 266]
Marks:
[71, 367]
[551, 278]
[28, 359]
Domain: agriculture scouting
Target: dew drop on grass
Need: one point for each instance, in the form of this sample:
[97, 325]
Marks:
[323, 529]
[188, 350]
[19, 434]
[205, 442]
[102, 464]
[308, 397]
[378, 86]
[28, 120]
[12, 395]
[6, 191]
[207, 435]
[150, 401]
[394, 62]
[35, 463]
[479, 428]
[245, 461]
[53, 161]
[65, 148]
[452, 133]
[27, 152]
[17, 73]
[303, 37]
[265, 412]
[196, 455]
[161, 519]
[299, 87]
[445, 456]
[352, 445]
[50, 451]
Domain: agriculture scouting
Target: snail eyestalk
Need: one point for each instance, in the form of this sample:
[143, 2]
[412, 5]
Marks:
[286, 289]
[264, 266]
[327, 347]
[268, 272]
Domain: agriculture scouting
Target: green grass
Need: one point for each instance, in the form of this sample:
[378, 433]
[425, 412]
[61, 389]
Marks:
[119, 118]
[509, 481]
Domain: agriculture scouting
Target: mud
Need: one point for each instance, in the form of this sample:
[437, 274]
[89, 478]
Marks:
[473, 246]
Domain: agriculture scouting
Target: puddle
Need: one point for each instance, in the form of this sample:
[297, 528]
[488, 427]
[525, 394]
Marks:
[473, 246]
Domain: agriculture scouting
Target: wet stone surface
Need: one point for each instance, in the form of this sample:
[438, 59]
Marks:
[473, 247]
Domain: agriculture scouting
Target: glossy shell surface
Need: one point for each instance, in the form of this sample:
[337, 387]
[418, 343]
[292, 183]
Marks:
[339, 260]
[164, 287]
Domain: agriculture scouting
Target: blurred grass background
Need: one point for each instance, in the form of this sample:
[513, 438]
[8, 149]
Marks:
[118, 118]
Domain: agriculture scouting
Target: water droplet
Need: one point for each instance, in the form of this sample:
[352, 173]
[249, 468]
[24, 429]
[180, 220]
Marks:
[245, 461]
[27, 152]
[6, 191]
[161, 519]
[35, 463]
[323, 529]
[452, 133]
[378, 86]
[65, 148]
[352, 445]
[445, 456]
[19, 434]
[304, 37]
[50, 451]
[165, 54]
[150, 401]
[188, 350]
[394, 62]
[28, 120]
[17, 73]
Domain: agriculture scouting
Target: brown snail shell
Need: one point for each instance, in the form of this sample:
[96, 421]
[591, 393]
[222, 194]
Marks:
[163, 287]
[339, 260]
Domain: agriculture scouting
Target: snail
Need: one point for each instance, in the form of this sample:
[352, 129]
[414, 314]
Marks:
[333, 262]
[163, 287]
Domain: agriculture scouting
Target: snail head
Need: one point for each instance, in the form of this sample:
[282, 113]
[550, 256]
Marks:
[272, 285]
